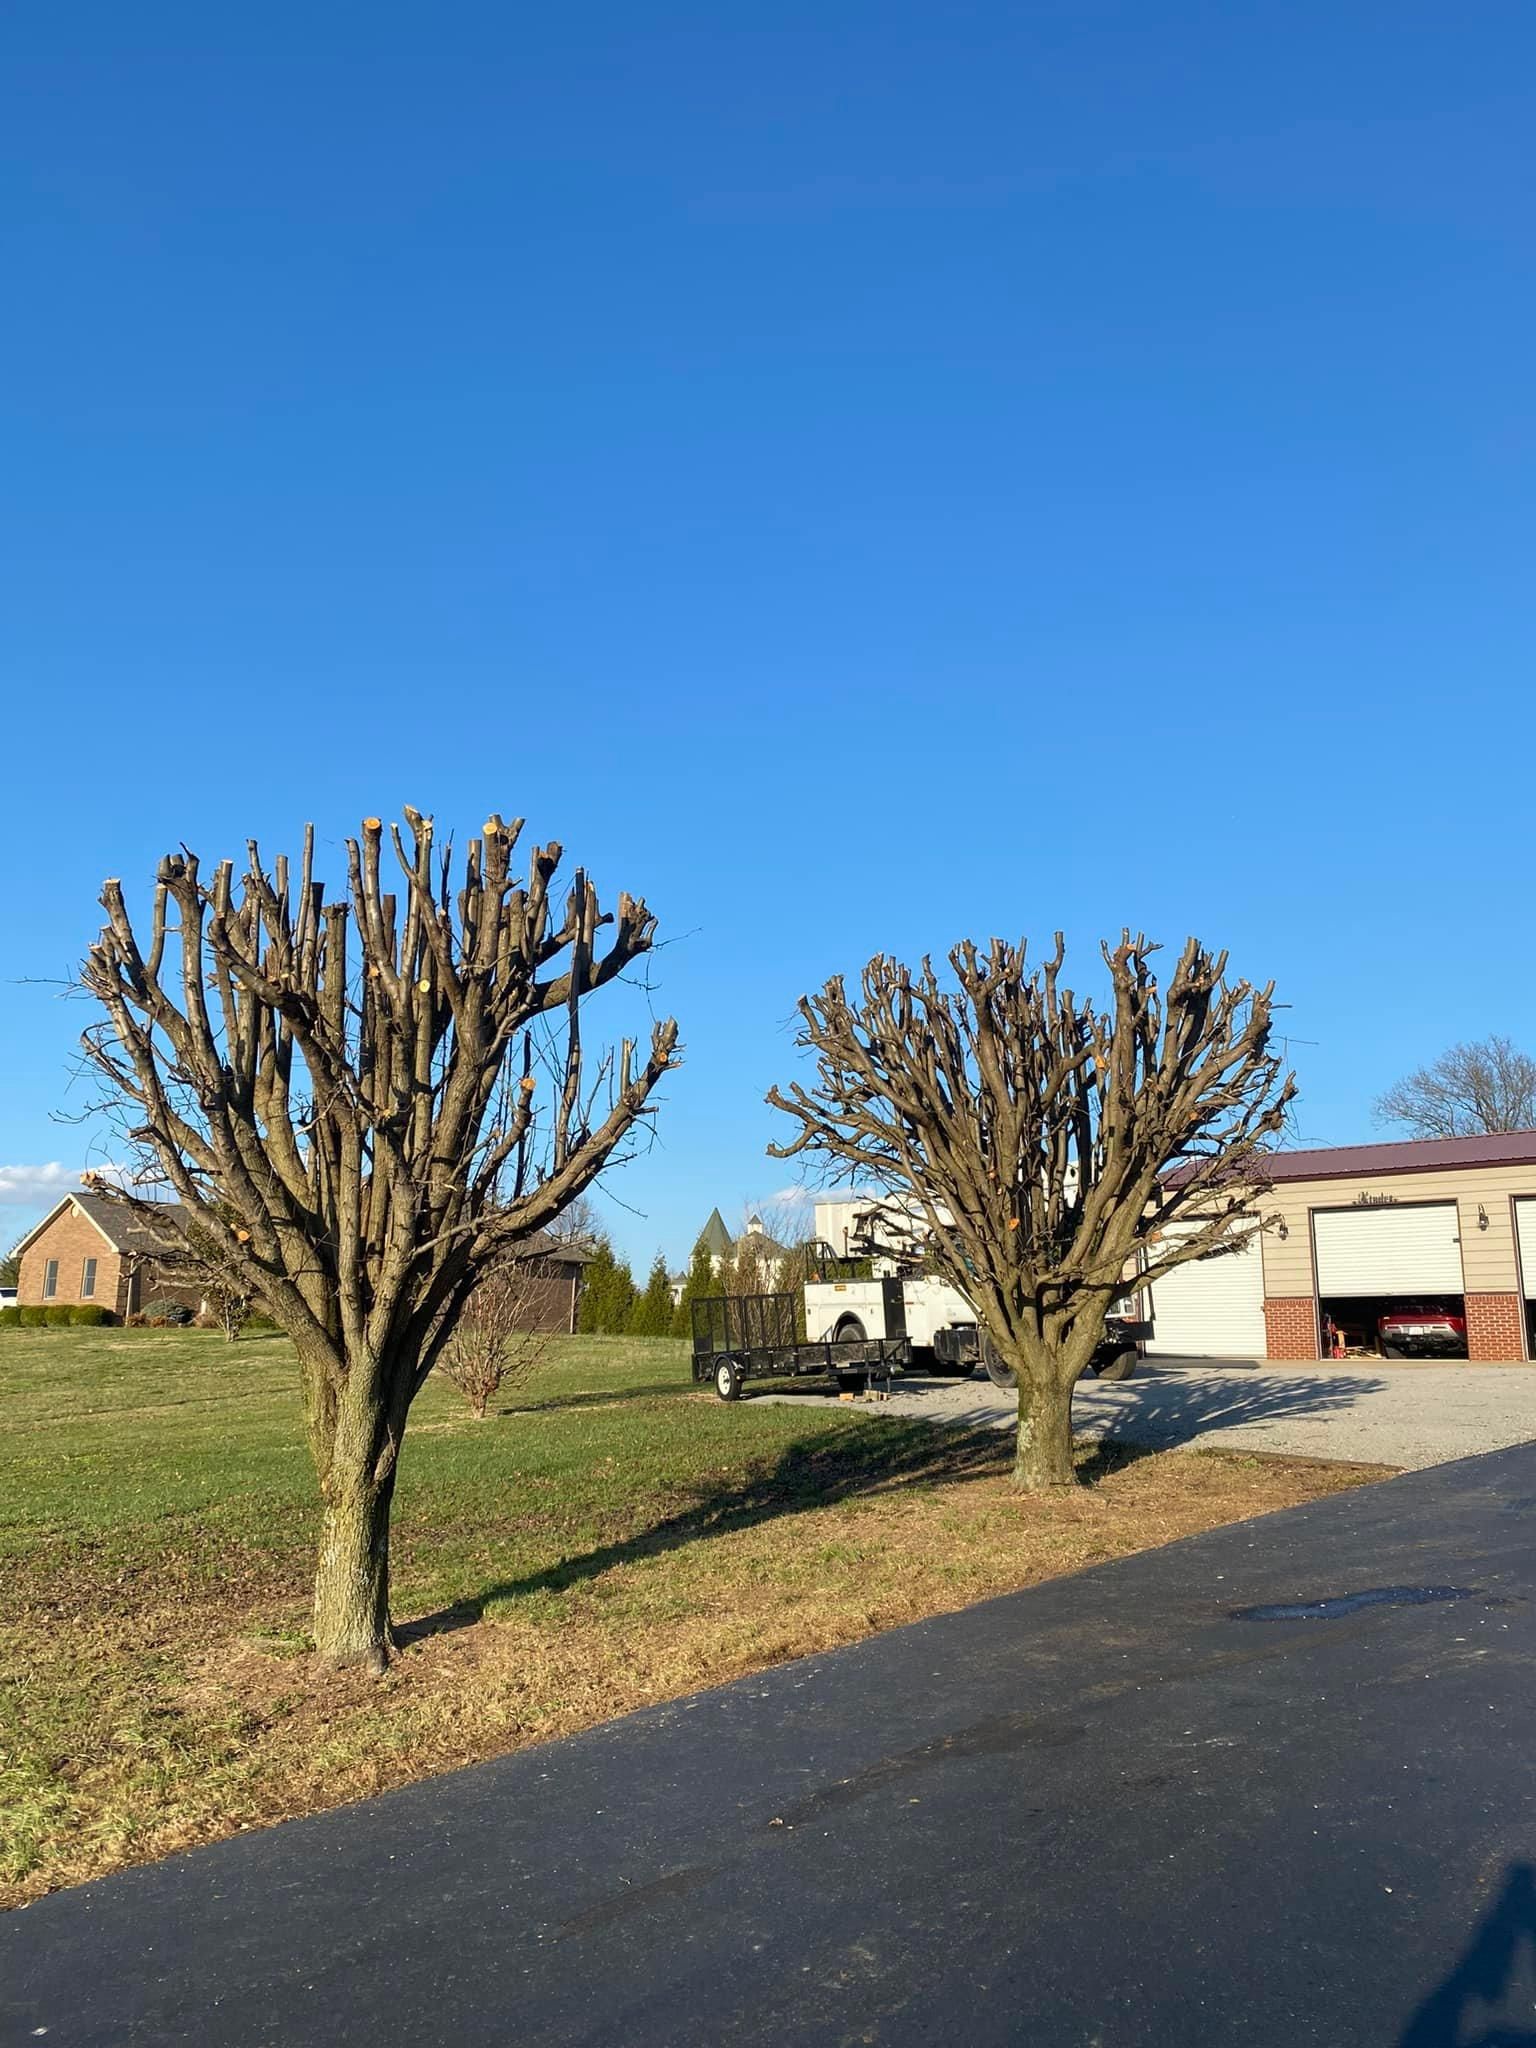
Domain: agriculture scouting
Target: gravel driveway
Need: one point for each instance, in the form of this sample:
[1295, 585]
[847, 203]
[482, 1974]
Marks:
[1381, 1415]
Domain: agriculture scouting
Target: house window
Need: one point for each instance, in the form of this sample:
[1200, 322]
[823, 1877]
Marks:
[87, 1279]
[50, 1279]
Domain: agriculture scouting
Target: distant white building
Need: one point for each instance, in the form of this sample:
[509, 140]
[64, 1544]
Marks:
[848, 1226]
[726, 1250]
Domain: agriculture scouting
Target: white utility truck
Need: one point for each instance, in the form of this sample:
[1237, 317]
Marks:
[872, 1284]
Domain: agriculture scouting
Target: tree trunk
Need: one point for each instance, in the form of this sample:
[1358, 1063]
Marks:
[352, 1576]
[1044, 1455]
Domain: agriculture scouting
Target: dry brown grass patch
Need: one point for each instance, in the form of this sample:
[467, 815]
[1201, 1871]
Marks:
[181, 1730]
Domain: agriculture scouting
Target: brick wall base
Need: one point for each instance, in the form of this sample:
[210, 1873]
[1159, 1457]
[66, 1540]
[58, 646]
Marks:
[1290, 1326]
[1495, 1327]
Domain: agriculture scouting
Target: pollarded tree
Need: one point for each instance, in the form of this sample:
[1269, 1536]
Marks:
[1045, 1144]
[356, 1084]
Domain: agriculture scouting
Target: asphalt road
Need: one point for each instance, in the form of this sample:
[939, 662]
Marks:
[1405, 1415]
[1119, 1808]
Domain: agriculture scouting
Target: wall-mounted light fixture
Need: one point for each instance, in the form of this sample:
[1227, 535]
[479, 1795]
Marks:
[1282, 1228]
[1482, 1217]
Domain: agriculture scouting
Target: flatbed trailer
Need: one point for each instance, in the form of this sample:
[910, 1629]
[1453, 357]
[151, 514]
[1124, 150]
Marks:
[744, 1337]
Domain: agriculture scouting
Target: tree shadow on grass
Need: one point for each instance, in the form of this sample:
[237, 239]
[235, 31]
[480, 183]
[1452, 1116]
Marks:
[849, 1464]
[552, 1404]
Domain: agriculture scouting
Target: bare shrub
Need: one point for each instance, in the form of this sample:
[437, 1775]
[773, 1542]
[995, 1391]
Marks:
[496, 1341]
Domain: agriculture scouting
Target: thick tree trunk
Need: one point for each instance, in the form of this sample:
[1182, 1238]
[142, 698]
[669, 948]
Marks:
[352, 1576]
[1044, 1454]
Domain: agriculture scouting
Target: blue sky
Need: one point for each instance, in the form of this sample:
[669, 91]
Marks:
[857, 475]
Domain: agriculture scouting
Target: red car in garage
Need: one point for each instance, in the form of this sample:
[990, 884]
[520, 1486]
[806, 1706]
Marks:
[1422, 1329]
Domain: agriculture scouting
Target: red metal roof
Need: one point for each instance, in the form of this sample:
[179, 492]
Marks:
[1410, 1155]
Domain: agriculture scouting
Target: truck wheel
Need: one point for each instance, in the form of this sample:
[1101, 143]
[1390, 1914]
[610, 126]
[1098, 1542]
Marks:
[849, 1331]
[1120, 1366]
[728, 1380]
[998, 1373]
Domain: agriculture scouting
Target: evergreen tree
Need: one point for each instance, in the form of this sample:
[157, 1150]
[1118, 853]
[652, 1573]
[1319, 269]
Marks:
[651, 1315]
[607, 1292]
[701, 1283]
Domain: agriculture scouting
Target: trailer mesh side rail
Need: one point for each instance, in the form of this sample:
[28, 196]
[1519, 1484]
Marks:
[738, 1323]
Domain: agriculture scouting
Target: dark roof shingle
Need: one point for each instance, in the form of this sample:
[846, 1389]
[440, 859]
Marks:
[1404, 1155]
[128, 1228]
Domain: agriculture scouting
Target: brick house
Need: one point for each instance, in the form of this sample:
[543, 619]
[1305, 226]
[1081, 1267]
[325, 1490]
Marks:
[94, 1249]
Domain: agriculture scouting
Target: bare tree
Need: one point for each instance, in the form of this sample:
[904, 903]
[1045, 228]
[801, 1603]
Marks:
[194, 1256]
[755, 1260]
[226, 1294]
[357, 1083]
[1045, 1144]
[789, 1214]
[497, 1340]
[576, 1224]
[1487, 1084]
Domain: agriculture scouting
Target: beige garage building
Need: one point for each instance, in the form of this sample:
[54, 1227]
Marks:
[1361, 1229]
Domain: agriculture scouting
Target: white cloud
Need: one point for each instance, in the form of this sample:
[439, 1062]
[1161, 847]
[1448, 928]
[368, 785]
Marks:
[34, 1187]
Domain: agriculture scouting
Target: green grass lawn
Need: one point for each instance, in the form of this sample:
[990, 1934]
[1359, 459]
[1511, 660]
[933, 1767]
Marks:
[609, 1537]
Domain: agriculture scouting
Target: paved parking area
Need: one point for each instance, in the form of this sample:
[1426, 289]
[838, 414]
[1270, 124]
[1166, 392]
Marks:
[1407, 1415]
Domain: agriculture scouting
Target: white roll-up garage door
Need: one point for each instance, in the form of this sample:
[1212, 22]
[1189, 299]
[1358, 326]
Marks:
[1415, 1249]
[1211, 1308]
[1525, 1226]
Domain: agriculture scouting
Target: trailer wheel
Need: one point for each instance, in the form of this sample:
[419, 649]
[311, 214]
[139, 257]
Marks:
[998, 1373]
[728, 1380]
[1121, 1366]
